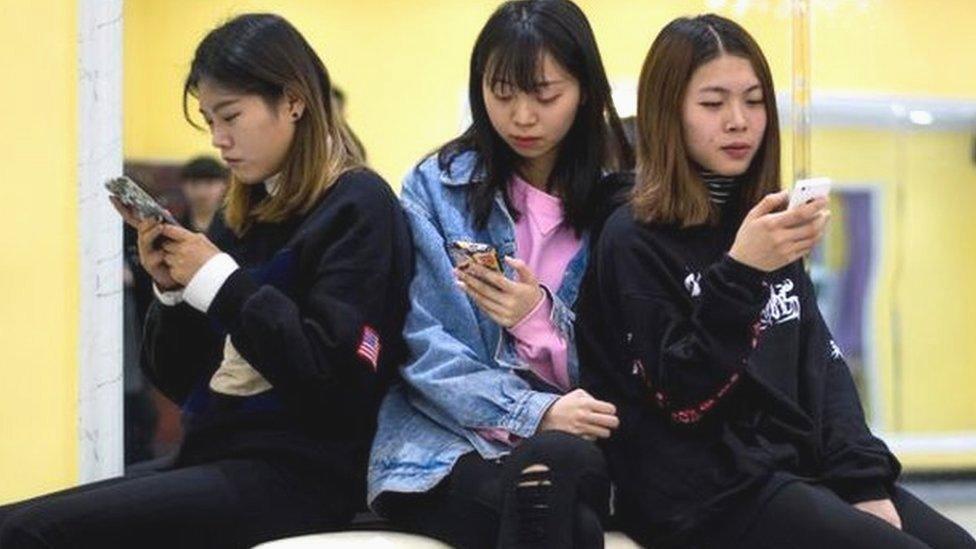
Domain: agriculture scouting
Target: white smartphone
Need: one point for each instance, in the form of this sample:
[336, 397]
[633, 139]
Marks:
[806, 190]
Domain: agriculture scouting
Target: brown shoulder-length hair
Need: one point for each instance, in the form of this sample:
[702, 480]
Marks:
[668, 188]
[264, 54]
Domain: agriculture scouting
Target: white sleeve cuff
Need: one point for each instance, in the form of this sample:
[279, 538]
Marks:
[203, 287]
[170, 298]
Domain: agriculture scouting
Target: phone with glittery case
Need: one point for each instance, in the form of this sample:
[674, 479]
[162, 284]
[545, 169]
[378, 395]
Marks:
[463, 253]
[129, 193]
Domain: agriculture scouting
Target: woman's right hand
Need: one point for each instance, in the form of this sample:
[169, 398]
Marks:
[770, 239]
[580, 414]
[150, 256]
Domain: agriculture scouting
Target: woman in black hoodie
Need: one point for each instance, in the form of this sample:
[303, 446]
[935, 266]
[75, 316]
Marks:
[740, 425]
[276, 340]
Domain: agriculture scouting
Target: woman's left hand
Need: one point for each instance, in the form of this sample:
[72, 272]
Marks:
[505, 301]
[184, 252]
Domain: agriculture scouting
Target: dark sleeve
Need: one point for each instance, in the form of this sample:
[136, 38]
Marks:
[179, 346]
[856, 464]
[325, 346]
[219, 233]
[689, 352]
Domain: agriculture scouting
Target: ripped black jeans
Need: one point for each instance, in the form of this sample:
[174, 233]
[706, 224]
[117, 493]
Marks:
[552, 491]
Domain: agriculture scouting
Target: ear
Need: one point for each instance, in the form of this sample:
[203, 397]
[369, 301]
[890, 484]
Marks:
[294, 105]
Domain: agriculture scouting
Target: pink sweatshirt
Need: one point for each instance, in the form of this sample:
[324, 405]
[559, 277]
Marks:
[546, 244]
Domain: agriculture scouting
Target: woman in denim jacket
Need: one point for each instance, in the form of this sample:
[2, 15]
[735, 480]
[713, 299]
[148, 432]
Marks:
[481, 445]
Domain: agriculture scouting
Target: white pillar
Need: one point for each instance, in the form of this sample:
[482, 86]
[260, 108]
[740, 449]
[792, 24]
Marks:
[801, 89]
[100, 428]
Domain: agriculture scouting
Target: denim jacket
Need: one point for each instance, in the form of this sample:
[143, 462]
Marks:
[463, 373]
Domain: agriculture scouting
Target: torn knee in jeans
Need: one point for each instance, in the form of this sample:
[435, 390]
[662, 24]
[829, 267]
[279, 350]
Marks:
[535, 475]
[532, 493]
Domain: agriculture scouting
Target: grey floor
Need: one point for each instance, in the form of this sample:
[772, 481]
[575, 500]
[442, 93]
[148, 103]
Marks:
[955, 499]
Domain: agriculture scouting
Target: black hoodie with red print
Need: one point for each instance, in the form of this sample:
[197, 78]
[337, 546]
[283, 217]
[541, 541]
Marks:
[726, 381]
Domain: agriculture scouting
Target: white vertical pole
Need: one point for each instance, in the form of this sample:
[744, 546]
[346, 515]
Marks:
[801, 89]
[100, 426]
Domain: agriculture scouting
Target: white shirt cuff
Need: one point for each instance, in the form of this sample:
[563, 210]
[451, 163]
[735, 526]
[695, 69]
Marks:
[203, 287]
[170, 298]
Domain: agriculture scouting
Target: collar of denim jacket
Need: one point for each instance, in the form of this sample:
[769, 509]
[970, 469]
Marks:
[459, 171]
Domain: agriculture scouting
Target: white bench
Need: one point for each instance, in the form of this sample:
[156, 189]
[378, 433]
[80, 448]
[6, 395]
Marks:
[377, 539]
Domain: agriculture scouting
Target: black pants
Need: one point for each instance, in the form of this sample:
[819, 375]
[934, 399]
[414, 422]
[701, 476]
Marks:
[802, 515]
[485, 503]
[224, 503]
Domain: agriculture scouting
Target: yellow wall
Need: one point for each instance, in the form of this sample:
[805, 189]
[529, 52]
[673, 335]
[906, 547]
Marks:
[924, 315]
[937, 294]
[404, 70]
[404, 65]
[38, 233]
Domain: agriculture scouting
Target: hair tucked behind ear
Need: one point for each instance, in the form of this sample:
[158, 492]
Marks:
[263, 54]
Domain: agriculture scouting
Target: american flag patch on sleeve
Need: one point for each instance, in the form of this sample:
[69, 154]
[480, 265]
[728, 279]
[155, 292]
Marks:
[369, 346]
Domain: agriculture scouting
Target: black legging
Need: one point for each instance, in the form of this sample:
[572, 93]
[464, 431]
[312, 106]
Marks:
[225, 503]
[802, 515]
[488, 503]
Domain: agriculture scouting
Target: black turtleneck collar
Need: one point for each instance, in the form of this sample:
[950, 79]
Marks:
[721, 188]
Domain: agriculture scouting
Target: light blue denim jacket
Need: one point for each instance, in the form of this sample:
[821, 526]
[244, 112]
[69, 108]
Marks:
[463, 373]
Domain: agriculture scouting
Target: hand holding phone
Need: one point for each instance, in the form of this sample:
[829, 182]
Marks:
[145, 215]
[771, 237]
[152, 256]
[506, 301]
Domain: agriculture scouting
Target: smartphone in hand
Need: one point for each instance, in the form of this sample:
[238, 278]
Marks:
[132, 195]
[807, 190]
[463, 253]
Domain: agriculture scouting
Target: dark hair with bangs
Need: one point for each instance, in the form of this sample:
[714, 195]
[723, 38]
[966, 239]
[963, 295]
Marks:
[668, 188]
[510, 49]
